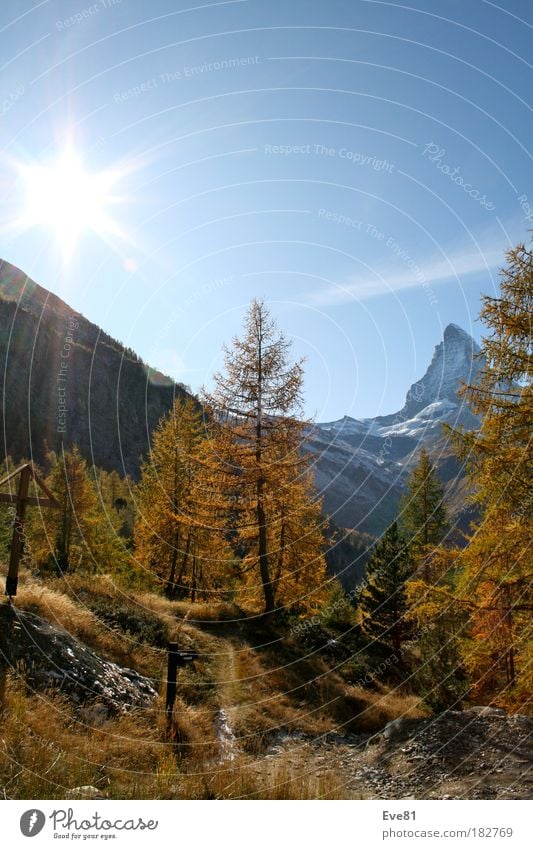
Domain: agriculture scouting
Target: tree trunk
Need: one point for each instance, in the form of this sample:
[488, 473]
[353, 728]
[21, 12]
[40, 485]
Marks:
[511, 671]
[263, 552]
[170, 588]
[193, 578]
[260, 510]
[184, 562]
[279, 569]
[396, 638]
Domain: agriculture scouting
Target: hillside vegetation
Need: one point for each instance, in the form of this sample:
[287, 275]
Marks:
[221, 547]
[253, 687]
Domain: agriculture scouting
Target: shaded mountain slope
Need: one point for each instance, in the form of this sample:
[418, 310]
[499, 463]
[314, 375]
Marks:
[65, 381]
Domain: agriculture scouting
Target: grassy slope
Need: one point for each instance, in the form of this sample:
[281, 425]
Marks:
[253, 684]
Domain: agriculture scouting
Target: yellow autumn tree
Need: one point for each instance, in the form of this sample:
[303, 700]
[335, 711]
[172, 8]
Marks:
[176, 535]
[78, 534]
[261, 470]
[496, 578]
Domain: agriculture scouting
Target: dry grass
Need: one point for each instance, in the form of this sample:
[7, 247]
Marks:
[193, 734]
[58, 609]
[65, 612]
[208, 611]
[368, 712]
[258, 678]
[281, 689]
[47, 749]
[283, 777]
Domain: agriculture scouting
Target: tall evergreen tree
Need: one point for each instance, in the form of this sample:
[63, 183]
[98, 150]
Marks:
[116, 502]
[73, 525]
[383, 601]
[423, 513]
[440, 676]
[261, 469]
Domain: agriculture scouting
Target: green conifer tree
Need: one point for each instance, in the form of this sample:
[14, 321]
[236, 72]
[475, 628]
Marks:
[383, 601]
[423, 513]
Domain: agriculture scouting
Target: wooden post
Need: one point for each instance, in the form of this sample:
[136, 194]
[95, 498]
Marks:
[22, 500]
[17, 545]
[3, 679]
[176, 659]
[171, 680]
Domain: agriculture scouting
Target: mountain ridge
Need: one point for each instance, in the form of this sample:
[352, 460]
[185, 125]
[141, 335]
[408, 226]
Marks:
[360, 465]
[62, 373]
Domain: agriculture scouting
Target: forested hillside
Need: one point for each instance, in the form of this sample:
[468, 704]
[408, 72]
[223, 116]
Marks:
[66, 382]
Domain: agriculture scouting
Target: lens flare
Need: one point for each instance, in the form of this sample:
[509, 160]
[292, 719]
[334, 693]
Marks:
[65, 199]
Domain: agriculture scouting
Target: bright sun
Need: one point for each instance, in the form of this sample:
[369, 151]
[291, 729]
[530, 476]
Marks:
[64, 198]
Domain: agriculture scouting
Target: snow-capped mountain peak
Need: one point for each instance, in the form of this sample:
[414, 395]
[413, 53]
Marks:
[454, 362]
[362, 463]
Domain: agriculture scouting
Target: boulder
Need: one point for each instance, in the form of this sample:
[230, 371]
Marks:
[49, 657]
[87, 791]
[486, 710]
[399, 729]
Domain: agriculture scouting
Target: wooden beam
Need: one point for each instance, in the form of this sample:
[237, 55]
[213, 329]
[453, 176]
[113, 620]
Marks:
[172, 669]
[41, 484]
[3, 679]
[33, 502]
[22, 500]
[16, 472]
[38, 480]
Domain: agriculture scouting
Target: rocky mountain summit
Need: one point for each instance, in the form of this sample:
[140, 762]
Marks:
[454, 362]
[361, 464]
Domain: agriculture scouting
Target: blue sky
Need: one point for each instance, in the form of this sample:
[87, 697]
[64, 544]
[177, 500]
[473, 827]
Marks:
[361, 165]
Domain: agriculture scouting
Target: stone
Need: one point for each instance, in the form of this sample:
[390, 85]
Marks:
[486, 710]
[399, 729]
[49, 658]
[87, 791]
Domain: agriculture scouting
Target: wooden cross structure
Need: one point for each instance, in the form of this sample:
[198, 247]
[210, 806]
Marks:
[22, 500]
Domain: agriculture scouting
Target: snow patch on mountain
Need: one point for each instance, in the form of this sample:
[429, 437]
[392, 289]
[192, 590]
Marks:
[455, 360]
[361, 464]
